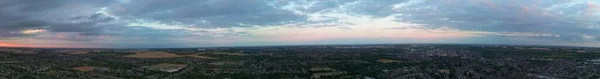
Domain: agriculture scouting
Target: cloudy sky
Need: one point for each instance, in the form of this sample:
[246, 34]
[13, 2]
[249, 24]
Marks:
[207, 23]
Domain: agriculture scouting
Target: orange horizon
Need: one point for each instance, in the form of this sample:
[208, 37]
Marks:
[5, 44]
[9, 45]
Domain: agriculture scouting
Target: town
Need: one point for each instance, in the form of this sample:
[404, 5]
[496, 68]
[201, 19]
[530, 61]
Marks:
[376, 61]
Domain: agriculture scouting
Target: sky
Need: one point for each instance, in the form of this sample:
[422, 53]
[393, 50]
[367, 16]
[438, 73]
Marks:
[216, 23]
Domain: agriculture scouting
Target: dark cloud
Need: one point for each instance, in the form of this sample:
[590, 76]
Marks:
[206, 13]
[562, 17]
[80, 23]
[502, 16]
[54, 16]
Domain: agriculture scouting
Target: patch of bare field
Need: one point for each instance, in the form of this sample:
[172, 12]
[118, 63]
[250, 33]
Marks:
[6, 50]
[160, 54]
[198, 56]
[84, 68]
[444, 70]
[321, 69]
[321, 74]
[98, 50]
[153, 54]
[74, 52]
[388, 61]
[11, 62]
[166, 67]
[227, 53]
[226, 63]
[25, 52]
[15, 51]
[79, 52]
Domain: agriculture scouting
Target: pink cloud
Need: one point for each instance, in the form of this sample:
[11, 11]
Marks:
[487, 3]
[592, 9]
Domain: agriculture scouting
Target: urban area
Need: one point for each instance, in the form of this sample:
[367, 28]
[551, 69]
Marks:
[385, 61]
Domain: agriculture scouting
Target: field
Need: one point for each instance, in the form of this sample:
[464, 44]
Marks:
[202, 57]
[388, 61]
[17, 51]
[85, 68]
[74, 52]
[153, 54]
[167, 67]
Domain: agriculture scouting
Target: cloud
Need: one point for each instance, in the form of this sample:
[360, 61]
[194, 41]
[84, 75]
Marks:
[518, 34]
[33, 31]
[549, 16]
[205, 13]
[19, 17]
[164, 23]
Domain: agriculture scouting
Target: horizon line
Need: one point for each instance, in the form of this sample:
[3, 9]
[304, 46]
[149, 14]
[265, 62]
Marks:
[297, 45]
